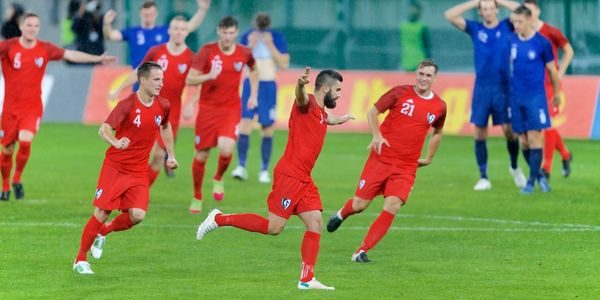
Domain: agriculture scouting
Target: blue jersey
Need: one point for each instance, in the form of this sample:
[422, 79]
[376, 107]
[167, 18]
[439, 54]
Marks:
[140, 40]
[486, 42]
[527, 64]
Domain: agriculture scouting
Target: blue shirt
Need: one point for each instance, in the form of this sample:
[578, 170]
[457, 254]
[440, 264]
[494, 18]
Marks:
[140, 40]
[527, 64]
[260, 50]
[486, 46]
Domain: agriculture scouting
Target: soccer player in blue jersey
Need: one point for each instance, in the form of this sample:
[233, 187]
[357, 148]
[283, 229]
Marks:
[269, 48]
[530, 55]
[489, 94]
[143, 37]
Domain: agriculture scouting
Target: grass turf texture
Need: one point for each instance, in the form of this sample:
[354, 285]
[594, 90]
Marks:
[447, 242]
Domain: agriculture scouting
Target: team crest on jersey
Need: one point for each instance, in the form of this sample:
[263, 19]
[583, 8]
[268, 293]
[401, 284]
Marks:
[531, 55]
[163, 62]
[138, 111]
[159, 38]
[361, 184]
[430, 118]
[39, 61]
[483, 37]
[99, 193]
[498, 34]
[238, 65]
[182, 68]
[285, 203]
[158, 120]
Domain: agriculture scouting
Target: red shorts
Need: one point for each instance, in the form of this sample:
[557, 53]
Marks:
[214, 123]
[291, 196]
[11, 124]
[379, 178]
[117, 190]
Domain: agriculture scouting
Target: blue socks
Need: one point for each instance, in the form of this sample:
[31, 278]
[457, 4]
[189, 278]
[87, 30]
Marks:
[526, 154]
[535, 163]
[243, 144]
[513, 151]
[265, 151]
[481, 155]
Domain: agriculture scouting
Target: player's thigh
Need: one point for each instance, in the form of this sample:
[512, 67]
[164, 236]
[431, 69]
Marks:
[499, 109]
[313, 220]
[517, 116]
[109, 188]
[400, 183]
[480, 106]
[206, 131]
[372, 179]
[310, 200]
[9, 130]
[226, 145]
[136, 194]
[285, 195]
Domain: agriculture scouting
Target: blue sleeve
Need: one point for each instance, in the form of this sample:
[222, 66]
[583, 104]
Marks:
[126, 33]
[280, 42]
[547, 55]
[244, 38]
[506, 22]
[471, 27]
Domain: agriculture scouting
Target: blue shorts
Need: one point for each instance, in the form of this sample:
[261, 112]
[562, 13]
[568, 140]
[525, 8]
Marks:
[267, 97]
[489, 100]
[529, 113]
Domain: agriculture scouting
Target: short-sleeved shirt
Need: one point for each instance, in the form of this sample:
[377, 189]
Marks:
[23, 70]
[175, 68]
[527, 65]
[224, 91]
[557, 40]
[486, 43]
[307, 128]
[406, 126]
[140, 40]
[140, 124]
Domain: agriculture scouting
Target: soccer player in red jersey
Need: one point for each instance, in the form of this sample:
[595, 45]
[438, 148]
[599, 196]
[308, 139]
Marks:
[220, 104]
[552, 139]
[294, 192]
[123, 180]
[175, 58]
[24, 61]
[392, 165]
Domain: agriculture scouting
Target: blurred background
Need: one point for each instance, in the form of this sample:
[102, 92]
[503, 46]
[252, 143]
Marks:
[344, 34]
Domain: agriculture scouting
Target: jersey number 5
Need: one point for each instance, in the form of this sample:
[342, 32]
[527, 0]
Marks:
[137, 121]
[407, 109]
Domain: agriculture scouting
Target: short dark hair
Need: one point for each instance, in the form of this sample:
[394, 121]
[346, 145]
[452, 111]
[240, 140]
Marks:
[534, 2]
[479, 4]
[227, 22]
[428, 63]
[145, 68]
[148, 4]
[327, 77]
[262, 21]
[522, 10]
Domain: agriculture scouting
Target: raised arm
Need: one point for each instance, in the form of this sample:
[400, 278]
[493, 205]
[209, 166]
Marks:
[454, 14]
[129, 81]
[333, 119]
[301, 95]
[82, 57]
[568, 55]
[110, 33]
[281, 59]
[555, 79]
[198, 17]
[510, 5]
[378, 139]
[434, 143]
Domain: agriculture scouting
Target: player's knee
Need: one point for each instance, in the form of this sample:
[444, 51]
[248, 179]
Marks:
[201, 156]
[392, 204]
[358, 204]
[137, 216]
[275, 229]
[8, 150]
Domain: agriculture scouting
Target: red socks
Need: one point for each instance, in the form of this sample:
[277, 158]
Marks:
[248, 222]
[152, 175]
[222, 167]
[310, 251]
[198, 176]
[5, 167]
[553, 141]
[119, 223]
[378, 229]
[90, 231]
[21, 160]
[347, 210]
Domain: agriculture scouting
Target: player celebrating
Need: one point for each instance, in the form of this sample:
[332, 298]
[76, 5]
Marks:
[24, 61]
[392, 165]
[270, 51]
[294, 192]
[530, 56]
[489, 96]
[123, 181]
[220, 107]
[141, 38]
[175, 58]
[552, 139]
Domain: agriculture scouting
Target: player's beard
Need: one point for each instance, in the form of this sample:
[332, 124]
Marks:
[329, 101]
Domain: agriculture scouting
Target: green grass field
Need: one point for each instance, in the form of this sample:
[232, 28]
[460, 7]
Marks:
[448, 242]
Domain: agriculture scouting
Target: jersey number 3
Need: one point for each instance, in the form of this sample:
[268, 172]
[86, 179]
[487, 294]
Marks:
[137, 121]
[407, 109]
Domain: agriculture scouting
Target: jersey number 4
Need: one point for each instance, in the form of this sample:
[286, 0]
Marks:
[407, 109]
[137, 121]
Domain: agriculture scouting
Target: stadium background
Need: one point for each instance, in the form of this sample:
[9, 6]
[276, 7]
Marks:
[358, 35]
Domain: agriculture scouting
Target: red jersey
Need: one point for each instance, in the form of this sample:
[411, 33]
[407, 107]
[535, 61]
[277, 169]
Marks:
[140, 124]
[224, 91]
[557, 40]
[408, 122]
[23, 70]
[307, 128]
[175, 68]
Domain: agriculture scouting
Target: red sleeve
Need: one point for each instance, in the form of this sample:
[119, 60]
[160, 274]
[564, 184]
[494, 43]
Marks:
[439, 123]
[387, 100]
[167, 108]
[250, 58]
[119, 114]
[54, 52]
[558, 38]
[199, 60]
[149, 55]
[4, 45]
